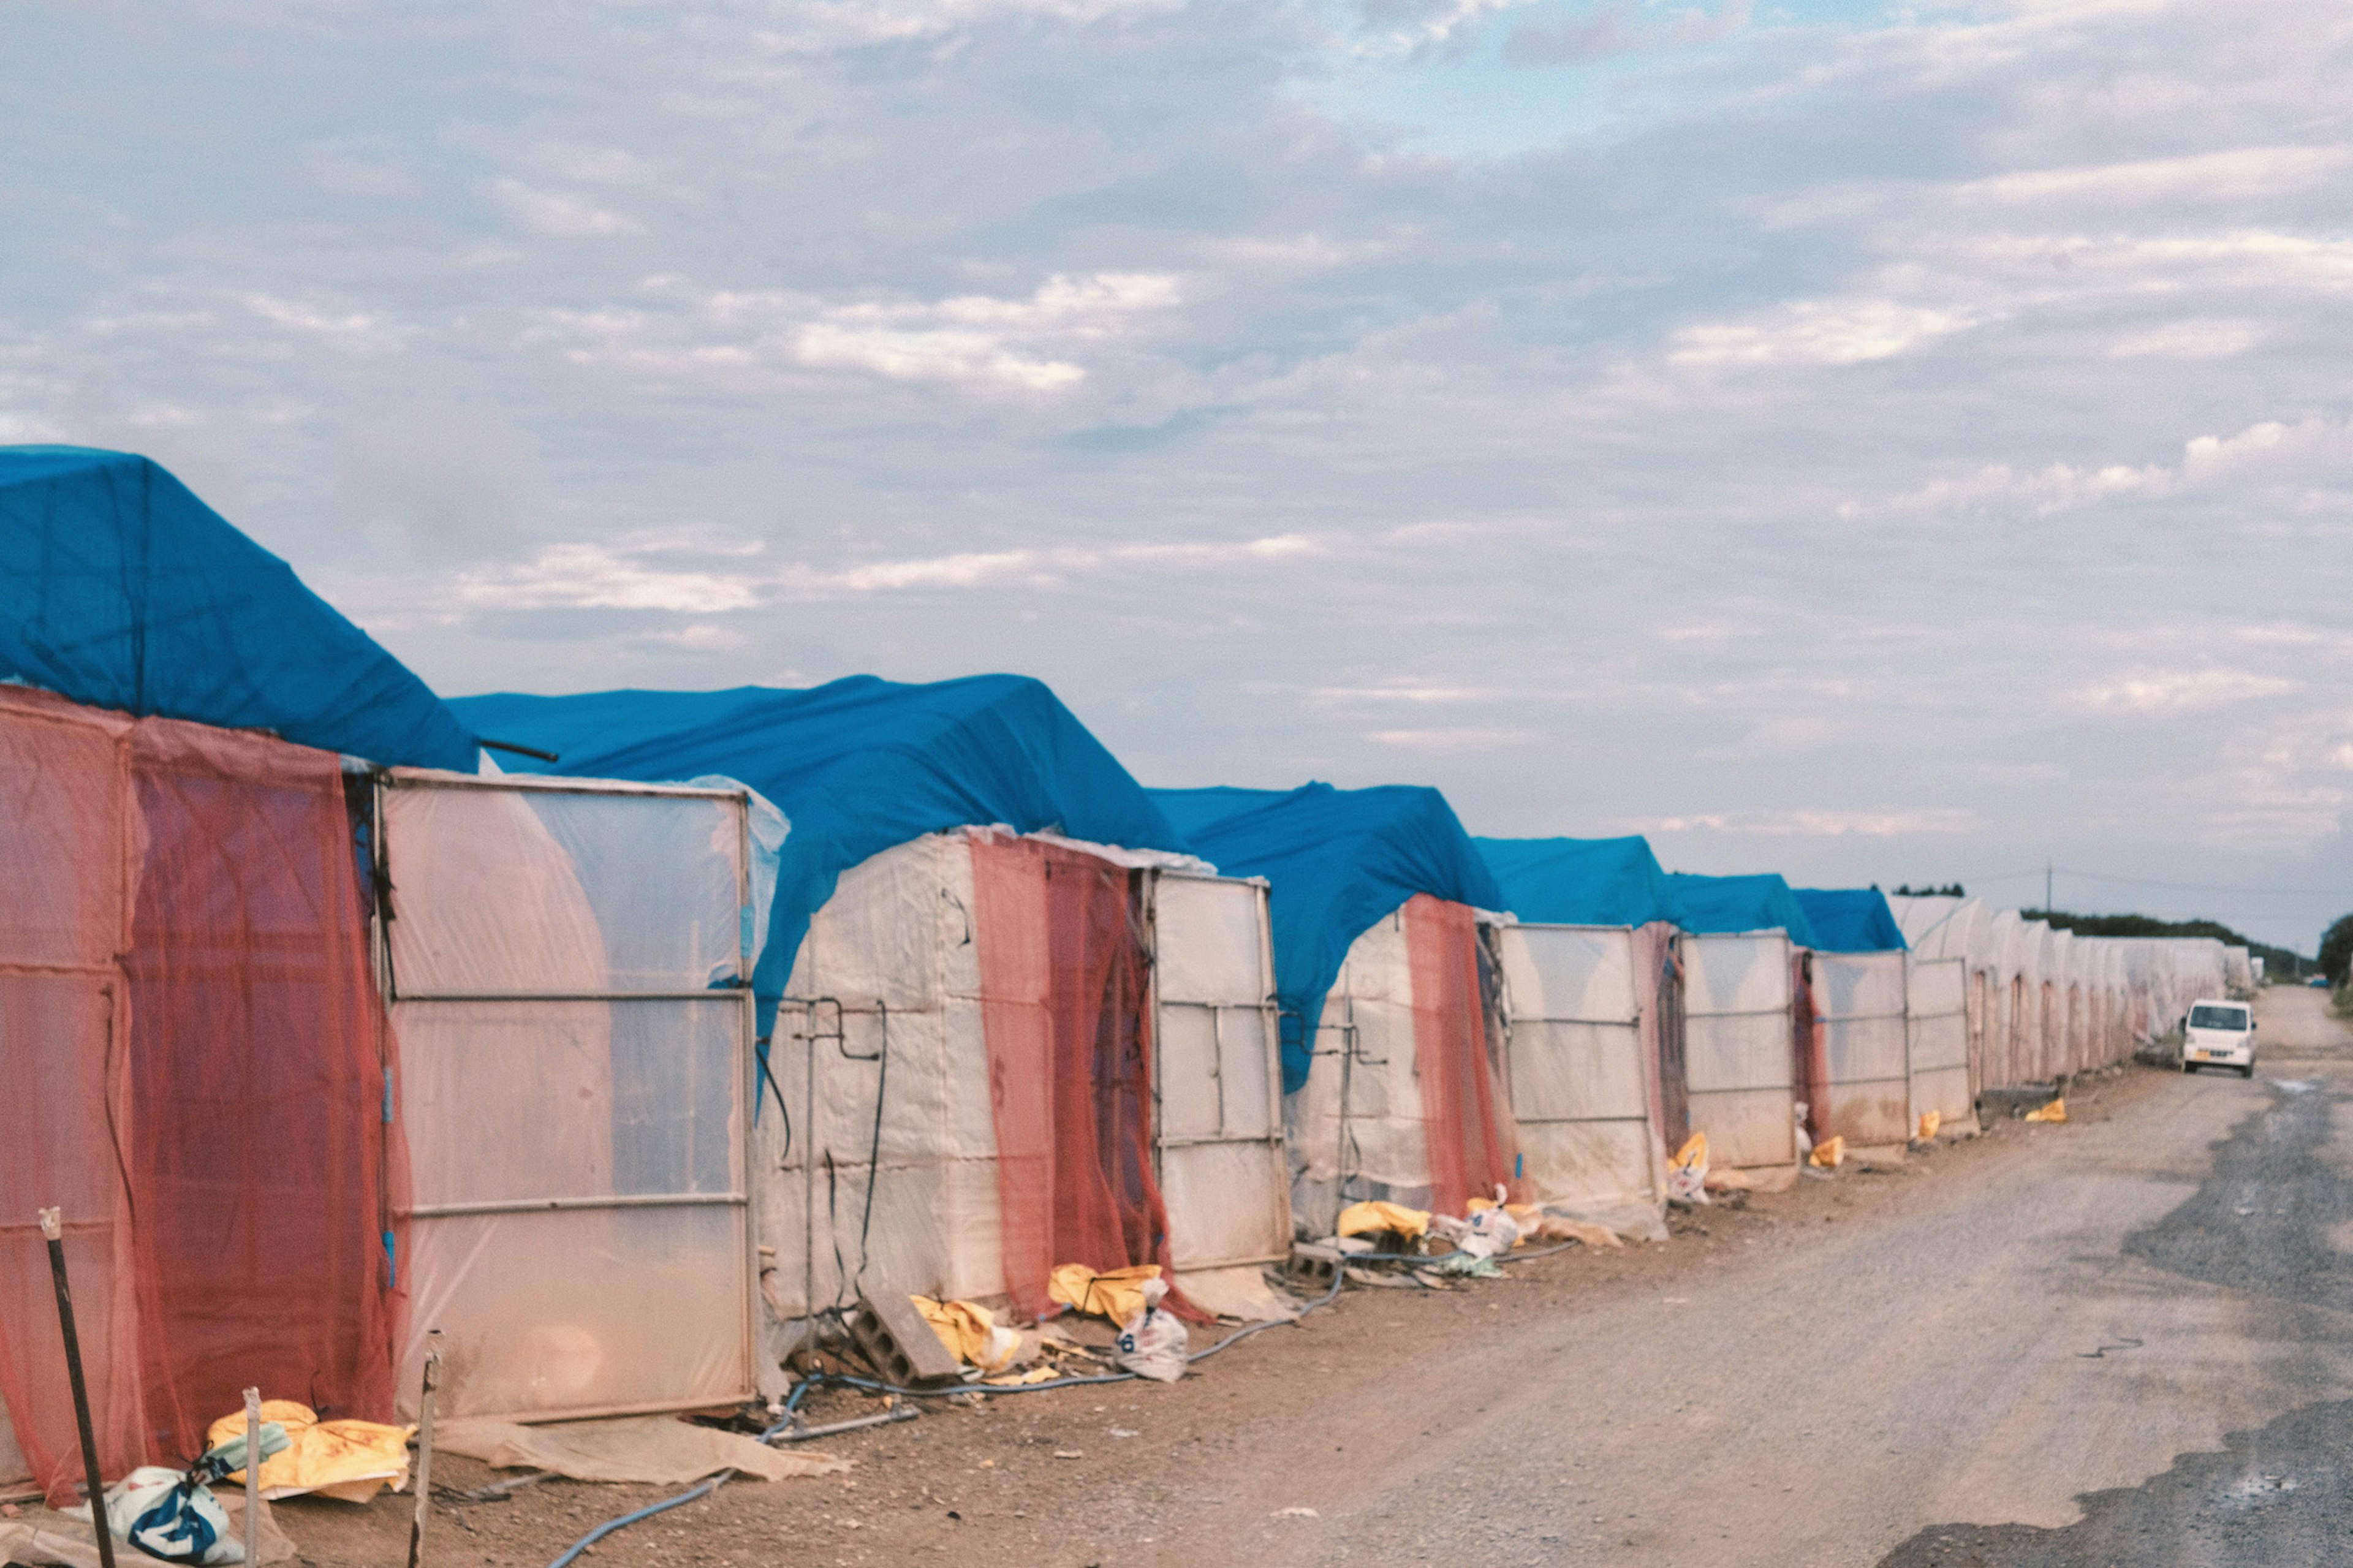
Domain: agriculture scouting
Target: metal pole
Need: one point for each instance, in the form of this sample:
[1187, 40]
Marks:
[425, 1449]
[253, 1475]
[53, 1230]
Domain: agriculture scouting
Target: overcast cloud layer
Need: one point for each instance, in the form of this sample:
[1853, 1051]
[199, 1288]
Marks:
[1868, 442]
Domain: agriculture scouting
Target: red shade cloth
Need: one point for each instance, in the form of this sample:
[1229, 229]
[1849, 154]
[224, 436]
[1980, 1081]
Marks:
[1809, 1046]
[191, 1052]
[1467, 1132]
[1066, 1022]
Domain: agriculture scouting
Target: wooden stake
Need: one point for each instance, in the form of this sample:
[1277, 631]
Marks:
[253, 1476]
[425, 1449]
[53, 1229]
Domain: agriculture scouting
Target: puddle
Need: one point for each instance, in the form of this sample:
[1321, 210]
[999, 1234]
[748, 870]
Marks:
[2266, 1220]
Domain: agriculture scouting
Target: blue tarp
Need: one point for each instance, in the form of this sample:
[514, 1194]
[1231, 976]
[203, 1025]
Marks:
[857, 767]
[1850, 919]
[1581, 881]
[1336, 861]
[121, 589]
[1762, 902]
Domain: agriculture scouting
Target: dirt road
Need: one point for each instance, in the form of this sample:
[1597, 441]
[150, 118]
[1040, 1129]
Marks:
[2124, 1340]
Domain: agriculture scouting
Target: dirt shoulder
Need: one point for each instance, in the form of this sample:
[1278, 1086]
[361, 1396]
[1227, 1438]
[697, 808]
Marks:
[1121, 1472]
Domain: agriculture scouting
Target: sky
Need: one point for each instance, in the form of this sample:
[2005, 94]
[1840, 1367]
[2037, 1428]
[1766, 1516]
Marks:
[1868, 442]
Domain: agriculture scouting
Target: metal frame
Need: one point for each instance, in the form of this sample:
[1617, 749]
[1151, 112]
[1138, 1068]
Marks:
[1270, 1018]
[744, 1067]
[1693, 1014]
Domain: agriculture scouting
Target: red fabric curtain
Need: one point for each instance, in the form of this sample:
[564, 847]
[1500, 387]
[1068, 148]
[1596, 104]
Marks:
[1066, 1022]
[1809, 1044]
[190, 1038]
[1466, 1131]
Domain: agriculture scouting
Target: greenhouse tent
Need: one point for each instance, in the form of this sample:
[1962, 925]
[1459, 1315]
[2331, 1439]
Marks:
[1751, 1052]
[121, 589]
[1593, 1062]
[1375, 896]
[1009, 1022]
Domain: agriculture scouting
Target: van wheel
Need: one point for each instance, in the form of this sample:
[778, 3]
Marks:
[2247, 1071]
[2189, 1066]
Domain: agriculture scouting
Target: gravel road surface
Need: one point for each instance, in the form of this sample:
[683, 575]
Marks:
[2121, 1341]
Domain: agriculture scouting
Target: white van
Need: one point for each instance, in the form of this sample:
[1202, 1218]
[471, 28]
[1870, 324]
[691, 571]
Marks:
[2219, 1034]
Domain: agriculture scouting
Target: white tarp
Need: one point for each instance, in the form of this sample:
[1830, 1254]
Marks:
[1737, 1060]
[1859, 1009]
[570, 1089]
[1937, 1015]
[1356, 1126]
[1581, 1093]
[1222, 1168]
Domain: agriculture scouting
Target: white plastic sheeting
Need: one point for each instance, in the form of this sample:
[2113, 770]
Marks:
[1936, 1013]
[1580, 1065]
[1859, 1009]
[571, 1088]
[1356, 1127]
[1218, 1081]
[1737, 1056]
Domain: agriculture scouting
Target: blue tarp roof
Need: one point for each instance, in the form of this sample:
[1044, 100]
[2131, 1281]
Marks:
[1850, 920]
[1336, 861]
[121, 589]
[1761, 902]
[1581, 881]
[857, 767]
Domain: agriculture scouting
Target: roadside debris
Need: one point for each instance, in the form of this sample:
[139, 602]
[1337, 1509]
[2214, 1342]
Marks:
[2054, 1111]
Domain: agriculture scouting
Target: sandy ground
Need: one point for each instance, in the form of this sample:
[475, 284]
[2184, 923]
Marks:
[1931, 1364]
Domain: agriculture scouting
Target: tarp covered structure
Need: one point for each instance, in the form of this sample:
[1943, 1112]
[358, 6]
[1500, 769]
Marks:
[121, 589]
[1850, 920]
[1582, 881]
[1336, 862]
[858, 766]
[1726, 904]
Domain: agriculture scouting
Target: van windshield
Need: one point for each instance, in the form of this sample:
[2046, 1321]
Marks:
[2219, 1018]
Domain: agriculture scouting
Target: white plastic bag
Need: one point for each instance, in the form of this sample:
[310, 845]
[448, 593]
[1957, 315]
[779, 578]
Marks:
[1687, 1172]
[168, 1514]
[1491, 1234]
[1153, 1344]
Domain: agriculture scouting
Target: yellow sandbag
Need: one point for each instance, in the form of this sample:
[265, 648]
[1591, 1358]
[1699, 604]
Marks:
[1929, 1121]
[2054, 1111]
[970, 1331]
[1117, 1295]
[1552, 1227]
[1016, 1379]
[1360, 1219]
[1693, 1152]
[352, 1460]
[1828, 1152]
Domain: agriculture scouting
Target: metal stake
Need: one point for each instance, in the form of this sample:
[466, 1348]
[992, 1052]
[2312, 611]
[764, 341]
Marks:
[53, 1229]
[253, 1476]
[425, 1449]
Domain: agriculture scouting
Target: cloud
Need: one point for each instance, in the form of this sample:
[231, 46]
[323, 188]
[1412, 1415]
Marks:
[2232, 173]
[561, 216]
[1621, 27]
[2181, 691]
[591, 576]
[2207, 462]
[1812, 331]
[974, 337]
[594, 576]
[1818, 823]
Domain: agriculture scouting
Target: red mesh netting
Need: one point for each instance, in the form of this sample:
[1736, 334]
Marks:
[1809, 1046]
[1065, 1019]
[188, 1011]
[1469, 1142]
